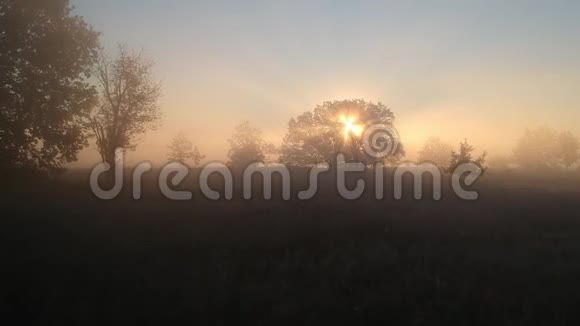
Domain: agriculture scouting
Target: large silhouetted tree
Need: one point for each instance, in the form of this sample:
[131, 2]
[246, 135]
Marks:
[129, 102]
[46, 56]
[247, 145]
[181, 149]
[318, 135]
[435, 151]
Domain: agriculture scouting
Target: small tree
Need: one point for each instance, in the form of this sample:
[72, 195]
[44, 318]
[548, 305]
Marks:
[128, 105]
[569, 147]
[182, 150]
[247, 145]
[464, 155]
[436, 151]
[538, 149]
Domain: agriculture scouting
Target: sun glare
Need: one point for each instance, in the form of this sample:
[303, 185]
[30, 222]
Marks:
[350, 128]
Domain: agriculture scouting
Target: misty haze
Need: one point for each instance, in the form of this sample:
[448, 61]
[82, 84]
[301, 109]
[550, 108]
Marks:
[290, 162]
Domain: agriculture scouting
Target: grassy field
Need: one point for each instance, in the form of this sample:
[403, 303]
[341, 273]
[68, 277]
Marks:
[511, 257]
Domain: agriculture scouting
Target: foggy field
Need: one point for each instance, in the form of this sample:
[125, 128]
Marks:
[511, 255]
[289, 162]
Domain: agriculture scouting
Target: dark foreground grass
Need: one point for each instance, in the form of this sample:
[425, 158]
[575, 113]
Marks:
[512, 257]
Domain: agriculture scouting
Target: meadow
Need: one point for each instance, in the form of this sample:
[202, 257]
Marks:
[509, 257]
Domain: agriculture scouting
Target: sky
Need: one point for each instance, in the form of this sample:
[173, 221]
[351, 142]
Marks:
[476, 70]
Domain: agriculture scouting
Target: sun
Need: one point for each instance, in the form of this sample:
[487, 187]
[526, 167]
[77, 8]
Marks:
[350, 127]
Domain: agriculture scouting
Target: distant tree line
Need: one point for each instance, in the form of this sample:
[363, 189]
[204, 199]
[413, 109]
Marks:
[540, 148]
[545, 148]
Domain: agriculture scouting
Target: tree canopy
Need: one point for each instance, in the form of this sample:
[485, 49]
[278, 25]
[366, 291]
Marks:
[128, 105]
[545, 148]
[247, 145]
[46, 57]
[464, 156]
[181, 149]
[334, 127]
[435, 151]
[569, 149]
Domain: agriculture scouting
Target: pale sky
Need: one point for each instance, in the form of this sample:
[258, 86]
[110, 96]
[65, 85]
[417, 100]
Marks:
[458, 69]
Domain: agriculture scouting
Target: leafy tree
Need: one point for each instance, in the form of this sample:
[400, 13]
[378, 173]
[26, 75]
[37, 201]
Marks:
[332, 127]
[128, 105]
[569, 149]
[464, 156]
[538, 148]
[247, 145]
[46, 55]
[182, 150]
[436, 151]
